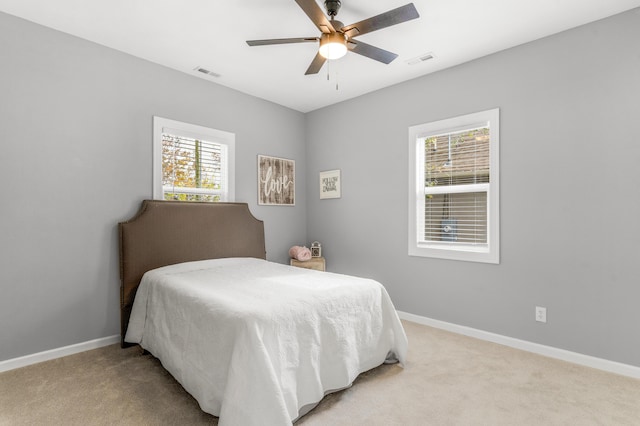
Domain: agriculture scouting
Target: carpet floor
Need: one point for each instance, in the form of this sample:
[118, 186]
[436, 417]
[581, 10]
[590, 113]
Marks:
[449, 379]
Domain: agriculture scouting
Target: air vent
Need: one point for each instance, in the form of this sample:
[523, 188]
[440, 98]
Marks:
[421, 58]
[206, 71]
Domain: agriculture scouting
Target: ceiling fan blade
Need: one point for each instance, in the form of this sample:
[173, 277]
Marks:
[317, 16]
[372, 52]
[316, 64]
[281, 41]
[395, 16]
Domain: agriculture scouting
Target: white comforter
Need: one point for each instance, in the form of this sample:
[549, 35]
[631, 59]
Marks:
[259, 343]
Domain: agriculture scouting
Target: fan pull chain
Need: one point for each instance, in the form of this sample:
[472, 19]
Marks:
[335, 73]
[329, 74]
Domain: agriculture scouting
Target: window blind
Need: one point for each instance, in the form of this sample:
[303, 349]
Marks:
[192, 169]
[456, 179]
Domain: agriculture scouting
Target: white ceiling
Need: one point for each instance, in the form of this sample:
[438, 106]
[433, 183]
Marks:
[211, 34]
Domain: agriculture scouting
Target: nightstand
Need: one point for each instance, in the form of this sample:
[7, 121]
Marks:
[316, 263]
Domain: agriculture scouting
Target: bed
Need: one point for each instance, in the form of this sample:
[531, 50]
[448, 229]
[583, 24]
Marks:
[253, 341]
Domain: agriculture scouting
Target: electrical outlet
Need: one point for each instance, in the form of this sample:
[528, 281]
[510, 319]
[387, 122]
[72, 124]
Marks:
[541, 314]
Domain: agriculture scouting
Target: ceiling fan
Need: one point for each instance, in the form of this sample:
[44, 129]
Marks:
[336, 38]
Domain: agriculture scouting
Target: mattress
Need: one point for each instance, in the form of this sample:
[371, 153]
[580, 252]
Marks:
[257, 342]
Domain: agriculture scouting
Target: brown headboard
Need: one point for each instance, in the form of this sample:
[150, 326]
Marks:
[169, 232]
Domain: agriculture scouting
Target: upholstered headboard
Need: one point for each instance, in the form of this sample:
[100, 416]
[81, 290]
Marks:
[169, 232]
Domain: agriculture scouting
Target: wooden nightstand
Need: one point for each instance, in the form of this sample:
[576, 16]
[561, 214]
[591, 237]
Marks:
[316, 263]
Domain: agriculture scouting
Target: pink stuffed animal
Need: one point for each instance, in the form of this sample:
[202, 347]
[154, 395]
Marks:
[300, 253]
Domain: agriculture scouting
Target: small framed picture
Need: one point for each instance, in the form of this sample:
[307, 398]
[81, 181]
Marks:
[330, 184]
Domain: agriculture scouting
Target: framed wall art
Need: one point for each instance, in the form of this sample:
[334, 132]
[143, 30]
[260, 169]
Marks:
[330, 184]
[276, 186]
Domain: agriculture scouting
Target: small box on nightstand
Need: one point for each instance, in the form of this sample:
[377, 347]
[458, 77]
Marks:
[316, 263]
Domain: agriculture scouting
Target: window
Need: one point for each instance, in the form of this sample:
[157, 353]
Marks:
[192, 163]
[453, 195]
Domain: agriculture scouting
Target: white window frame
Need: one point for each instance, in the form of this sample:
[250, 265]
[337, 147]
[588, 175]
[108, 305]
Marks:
[226, 139]
[489, 253]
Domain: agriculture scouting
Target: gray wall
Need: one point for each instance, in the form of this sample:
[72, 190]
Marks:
[75, 143]
[570, 155]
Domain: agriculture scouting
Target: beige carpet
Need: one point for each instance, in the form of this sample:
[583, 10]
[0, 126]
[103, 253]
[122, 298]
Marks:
[449, 380]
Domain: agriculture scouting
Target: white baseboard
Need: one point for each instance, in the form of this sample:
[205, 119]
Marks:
[23, 361]
[549, 351]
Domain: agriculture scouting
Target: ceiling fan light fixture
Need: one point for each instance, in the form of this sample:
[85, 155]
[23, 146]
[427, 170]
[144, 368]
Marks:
[333, 46]
[335, 35]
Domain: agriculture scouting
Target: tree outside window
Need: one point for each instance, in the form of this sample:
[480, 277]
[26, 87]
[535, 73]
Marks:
[191, 169]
